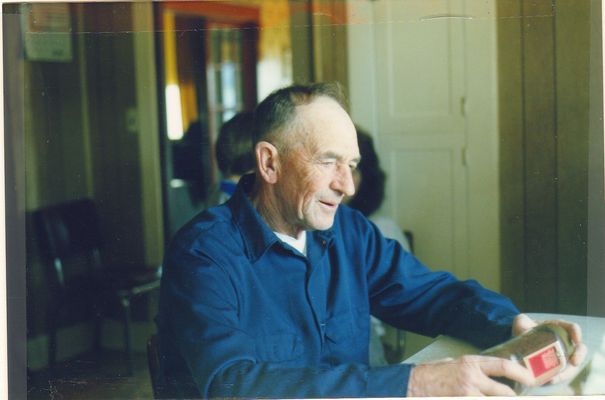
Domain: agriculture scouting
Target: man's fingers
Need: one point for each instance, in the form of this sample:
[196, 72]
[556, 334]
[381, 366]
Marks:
[567, 374]
[573, 368]
[494, 366]
[490, 387]
[574, 330]
[579, 354]
[522, 323]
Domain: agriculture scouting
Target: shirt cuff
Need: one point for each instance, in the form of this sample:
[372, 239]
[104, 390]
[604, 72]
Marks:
[389, 381]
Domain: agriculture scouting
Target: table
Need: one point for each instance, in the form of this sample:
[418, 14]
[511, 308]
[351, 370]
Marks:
[590, 380]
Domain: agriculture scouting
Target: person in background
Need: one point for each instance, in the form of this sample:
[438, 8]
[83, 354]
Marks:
[234, 155]
[386, 342]
[370, 184]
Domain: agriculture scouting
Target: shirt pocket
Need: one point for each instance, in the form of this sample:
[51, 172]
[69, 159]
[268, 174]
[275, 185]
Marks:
[347, 337]
[339, 328]
[279, 347]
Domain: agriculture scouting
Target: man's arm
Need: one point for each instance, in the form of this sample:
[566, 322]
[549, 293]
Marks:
[417, 299]
[410, 296]
[466, 376]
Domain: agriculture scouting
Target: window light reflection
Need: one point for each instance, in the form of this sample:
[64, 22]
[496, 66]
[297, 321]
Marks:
[174, 116]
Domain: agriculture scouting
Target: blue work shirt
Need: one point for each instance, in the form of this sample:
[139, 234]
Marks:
[243, 314]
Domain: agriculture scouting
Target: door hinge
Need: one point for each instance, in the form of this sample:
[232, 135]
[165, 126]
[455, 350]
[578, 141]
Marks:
[463, 106]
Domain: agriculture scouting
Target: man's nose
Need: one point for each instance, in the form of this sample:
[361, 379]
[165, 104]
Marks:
[343, 181]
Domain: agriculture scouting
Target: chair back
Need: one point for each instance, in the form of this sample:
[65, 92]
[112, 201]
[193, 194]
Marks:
[67, 230]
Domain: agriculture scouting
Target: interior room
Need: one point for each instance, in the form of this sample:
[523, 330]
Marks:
[486, 116]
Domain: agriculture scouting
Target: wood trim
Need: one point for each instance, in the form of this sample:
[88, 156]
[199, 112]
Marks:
[329, 40]
[510, 104]
[217, 11]
[249, 61]
[540, 156]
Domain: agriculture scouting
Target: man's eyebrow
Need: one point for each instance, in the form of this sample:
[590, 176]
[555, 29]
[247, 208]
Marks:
[331, 154]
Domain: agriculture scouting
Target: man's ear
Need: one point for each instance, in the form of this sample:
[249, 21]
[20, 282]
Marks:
[267, 160]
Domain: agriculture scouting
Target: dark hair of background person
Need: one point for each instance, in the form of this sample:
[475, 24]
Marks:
[370, 193]
[276, 111]
[189, 160]
[234, 150]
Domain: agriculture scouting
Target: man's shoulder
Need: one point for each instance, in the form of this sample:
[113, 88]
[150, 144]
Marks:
[210, 231]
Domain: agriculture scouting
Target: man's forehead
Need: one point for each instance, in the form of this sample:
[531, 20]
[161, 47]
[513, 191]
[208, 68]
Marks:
[327, 128]
[320, 104]
[324, 115]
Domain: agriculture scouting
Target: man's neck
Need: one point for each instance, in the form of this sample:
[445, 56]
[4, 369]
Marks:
[263, 199]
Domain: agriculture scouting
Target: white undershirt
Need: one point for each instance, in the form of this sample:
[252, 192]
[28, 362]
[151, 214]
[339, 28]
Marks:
[299, 243]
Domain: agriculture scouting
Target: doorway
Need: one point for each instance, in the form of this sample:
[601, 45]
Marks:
[207, 64]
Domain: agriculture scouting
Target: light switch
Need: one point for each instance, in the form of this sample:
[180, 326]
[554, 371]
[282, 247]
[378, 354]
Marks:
[132, 120]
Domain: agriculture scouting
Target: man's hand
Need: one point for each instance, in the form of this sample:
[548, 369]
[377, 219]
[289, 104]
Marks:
[467, 376]
[523, 323]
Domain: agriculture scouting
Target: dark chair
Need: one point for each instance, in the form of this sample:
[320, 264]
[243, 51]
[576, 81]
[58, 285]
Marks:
[70, 242]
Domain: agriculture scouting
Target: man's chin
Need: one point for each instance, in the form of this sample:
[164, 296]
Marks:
[323, 225]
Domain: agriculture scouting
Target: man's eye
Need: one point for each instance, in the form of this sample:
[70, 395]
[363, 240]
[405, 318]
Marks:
[353, 167]
[328, 163]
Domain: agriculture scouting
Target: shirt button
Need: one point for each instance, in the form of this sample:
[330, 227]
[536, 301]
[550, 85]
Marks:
[323, 242]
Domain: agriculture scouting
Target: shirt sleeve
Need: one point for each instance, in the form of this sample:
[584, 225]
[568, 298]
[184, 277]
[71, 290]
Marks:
[202, 310]
[408, 295]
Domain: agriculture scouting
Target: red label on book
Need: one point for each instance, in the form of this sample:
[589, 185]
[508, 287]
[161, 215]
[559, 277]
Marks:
[543, 361]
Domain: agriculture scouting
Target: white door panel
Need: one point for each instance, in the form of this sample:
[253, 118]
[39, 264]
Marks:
[427, 194]
[420, 125]
[419, 67]
[414, 65]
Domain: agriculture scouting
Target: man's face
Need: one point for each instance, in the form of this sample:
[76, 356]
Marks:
[316, 174]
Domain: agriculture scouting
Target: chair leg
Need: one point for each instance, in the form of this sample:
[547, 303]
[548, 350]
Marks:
[52, 337]
[127, 336]
[98, 327]
[52, 348]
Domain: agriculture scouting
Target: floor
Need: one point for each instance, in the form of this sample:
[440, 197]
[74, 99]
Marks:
[92, 377]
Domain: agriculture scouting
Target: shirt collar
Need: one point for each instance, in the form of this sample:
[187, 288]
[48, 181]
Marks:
[228, 186]
[257, 235]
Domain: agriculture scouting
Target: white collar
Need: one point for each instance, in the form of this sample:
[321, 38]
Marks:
[299, 243]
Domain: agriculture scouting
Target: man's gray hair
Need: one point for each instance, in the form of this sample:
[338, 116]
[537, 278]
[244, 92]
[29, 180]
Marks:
[274, 117]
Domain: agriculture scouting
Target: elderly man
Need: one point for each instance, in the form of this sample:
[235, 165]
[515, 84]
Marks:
[270, 294]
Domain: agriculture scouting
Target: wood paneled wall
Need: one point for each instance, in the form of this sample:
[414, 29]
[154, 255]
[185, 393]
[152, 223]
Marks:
[319, 41]
[115, 155]
[544, 75]
[78, 142]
